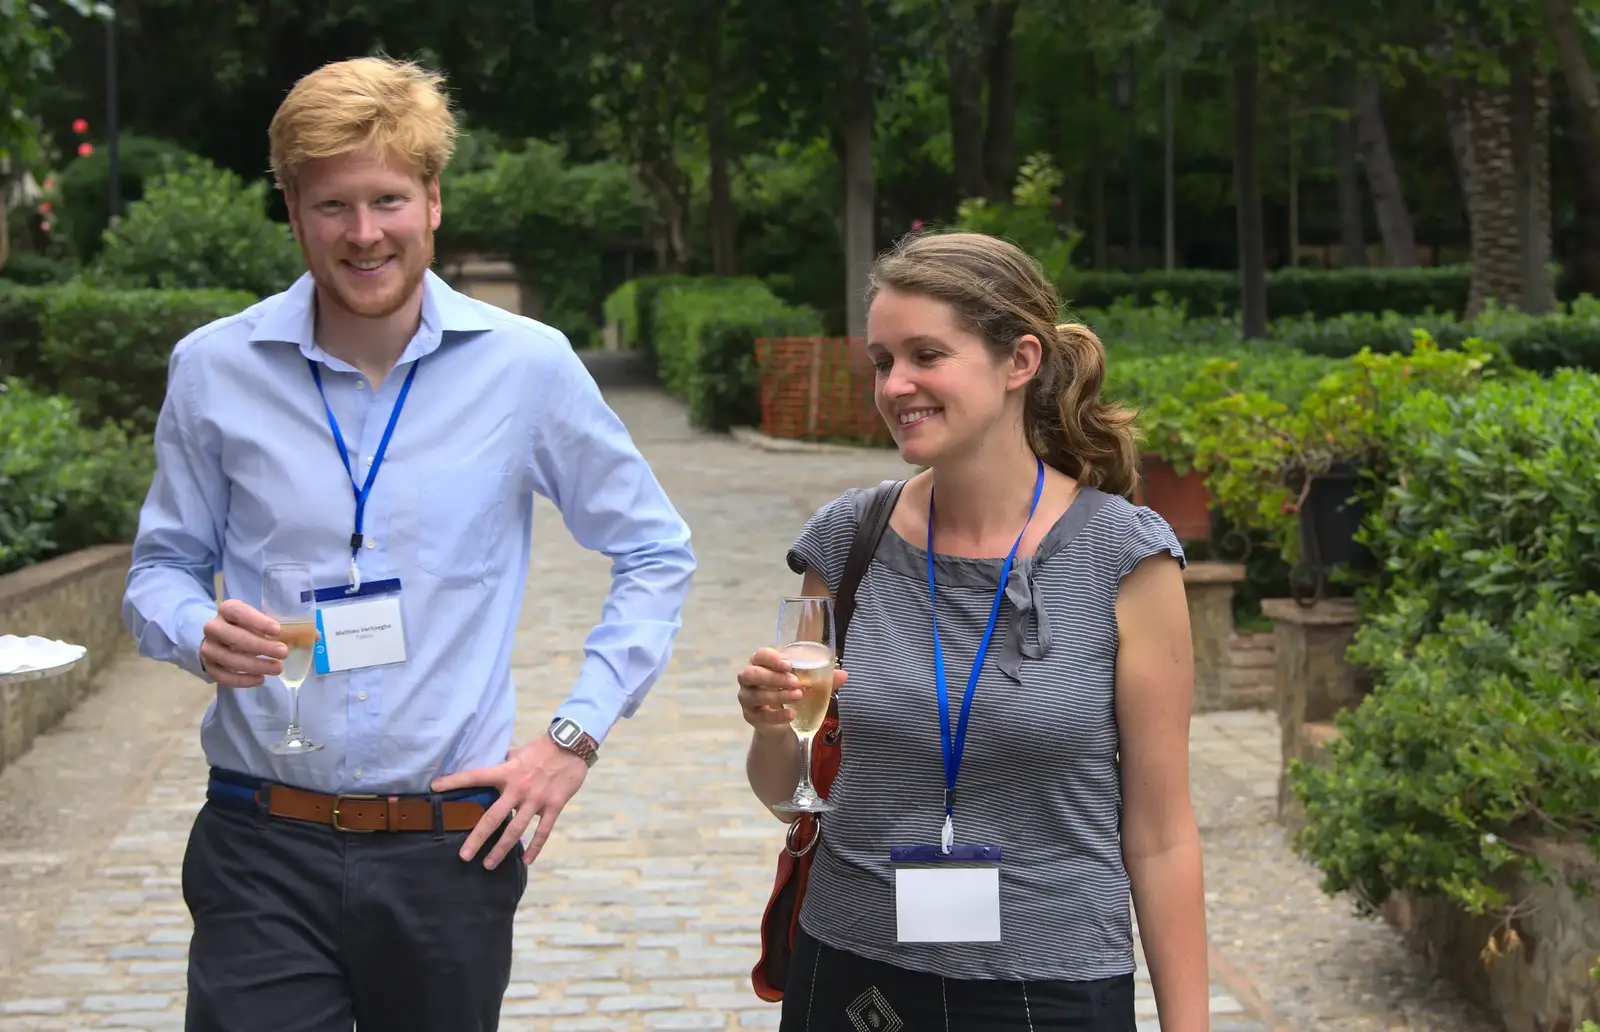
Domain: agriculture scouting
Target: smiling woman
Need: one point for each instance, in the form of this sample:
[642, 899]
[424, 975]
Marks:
[1014, 758]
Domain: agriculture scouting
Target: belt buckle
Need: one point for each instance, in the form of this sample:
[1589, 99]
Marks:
[340, 827]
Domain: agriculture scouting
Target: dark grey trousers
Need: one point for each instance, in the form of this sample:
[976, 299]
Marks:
[302, 928]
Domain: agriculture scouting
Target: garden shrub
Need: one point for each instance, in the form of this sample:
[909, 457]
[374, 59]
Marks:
[30, 268]
[1496, 503]
[199, 227]
[1475, 738]
[108, 349]
[81, 215]
[704, 334]
[1484, 643]
[63, 485]
[21, 315]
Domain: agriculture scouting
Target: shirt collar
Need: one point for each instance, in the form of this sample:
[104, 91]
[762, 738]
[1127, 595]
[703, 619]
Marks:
[289, 317]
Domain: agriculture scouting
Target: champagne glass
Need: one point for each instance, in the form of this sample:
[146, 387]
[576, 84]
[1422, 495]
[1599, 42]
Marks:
[287, 597]
[805, 637]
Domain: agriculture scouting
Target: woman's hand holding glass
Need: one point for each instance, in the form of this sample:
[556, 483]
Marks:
[768, 688]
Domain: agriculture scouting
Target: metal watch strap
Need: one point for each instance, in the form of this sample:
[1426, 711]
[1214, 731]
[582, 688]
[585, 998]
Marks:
[584, 744]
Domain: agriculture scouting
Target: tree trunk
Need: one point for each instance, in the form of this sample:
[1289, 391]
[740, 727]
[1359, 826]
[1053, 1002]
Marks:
[1383, 179]
[1000, 62]
[1294, 201]
[724, 260]
[963, 53]
[1584, 150]
[860, 244]
[1569, 37]
[1247, 196]
[1530, 120]
[1352, 223]
[1169, 217]
[672, 249]
[1482, 135]
[1097, 207]
[1510, 226]
[1583, 130]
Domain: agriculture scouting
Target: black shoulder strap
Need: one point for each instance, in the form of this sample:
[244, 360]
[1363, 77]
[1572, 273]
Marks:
[868, 532]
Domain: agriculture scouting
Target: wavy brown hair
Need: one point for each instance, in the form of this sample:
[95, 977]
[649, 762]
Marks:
[998, 292]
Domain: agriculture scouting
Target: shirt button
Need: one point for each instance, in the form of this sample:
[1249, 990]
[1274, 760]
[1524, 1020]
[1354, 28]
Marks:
[362, 696]
[361, 385]
[372, 544]
[358, 773]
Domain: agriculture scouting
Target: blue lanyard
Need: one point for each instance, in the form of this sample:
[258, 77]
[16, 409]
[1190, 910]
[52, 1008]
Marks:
[365, 489]
[954, 748]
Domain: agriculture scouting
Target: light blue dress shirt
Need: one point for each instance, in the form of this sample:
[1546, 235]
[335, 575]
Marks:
[501, 408]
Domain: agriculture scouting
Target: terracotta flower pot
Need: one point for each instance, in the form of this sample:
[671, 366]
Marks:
[1184, 502]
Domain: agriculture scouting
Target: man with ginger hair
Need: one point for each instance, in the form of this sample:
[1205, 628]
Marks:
[389, 434]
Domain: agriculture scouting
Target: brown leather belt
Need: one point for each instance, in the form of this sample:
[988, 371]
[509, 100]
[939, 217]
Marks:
[370, 812]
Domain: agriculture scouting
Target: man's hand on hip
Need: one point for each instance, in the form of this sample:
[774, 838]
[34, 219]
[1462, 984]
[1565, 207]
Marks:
[538, 778]
[239, 646]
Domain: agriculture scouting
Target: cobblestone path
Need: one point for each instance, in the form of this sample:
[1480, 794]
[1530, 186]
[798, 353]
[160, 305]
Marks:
[642, 912]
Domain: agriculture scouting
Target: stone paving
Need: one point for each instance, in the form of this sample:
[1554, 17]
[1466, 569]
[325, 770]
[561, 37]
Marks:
[642, 912]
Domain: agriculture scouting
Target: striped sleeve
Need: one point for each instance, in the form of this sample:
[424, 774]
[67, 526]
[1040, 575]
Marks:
[824, 541]
[1148, 535]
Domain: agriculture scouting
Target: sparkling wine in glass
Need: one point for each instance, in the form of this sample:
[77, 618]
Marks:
[287, 597]
[805, 637]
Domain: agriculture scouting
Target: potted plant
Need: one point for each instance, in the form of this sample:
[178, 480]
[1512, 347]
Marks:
[1297, 469]
[1168, 482]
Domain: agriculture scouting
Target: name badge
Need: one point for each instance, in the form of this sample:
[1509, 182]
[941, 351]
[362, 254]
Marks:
[359, 628]
[946, 897]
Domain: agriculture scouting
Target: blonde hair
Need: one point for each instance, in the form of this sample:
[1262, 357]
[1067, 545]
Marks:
[999, 292]
[369, 105]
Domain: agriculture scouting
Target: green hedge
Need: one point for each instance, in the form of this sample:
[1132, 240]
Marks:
[21, 315]
[703, 337]
[1484, 643]
[63, 486]
[81, 212]
[32, 269]
[633, 305]
[1566, 339]
[1320, 293]
[107, 350]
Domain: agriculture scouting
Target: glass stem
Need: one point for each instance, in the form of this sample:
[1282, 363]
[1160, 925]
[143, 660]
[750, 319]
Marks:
[294, 708]
[805, 788]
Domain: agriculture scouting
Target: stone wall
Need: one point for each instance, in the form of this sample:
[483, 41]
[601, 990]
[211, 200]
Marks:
[1312, 681]
[1252, 666]
[1231, 670]
[1537, 978]
[75, 598]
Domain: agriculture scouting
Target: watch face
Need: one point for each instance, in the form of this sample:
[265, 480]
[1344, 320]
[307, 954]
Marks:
[566, 732]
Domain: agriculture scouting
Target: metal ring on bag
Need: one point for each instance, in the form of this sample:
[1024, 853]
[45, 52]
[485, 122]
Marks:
[788, 838]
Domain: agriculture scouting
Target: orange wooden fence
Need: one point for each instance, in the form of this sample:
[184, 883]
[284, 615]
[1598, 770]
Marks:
[818, 388]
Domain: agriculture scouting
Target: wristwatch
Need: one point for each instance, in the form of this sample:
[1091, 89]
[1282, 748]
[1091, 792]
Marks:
[572, 737]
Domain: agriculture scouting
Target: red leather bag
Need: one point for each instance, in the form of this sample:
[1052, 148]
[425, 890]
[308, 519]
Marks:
[770, 976]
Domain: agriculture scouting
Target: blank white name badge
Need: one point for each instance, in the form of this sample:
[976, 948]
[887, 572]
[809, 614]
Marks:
[946, 897]
[359, 629]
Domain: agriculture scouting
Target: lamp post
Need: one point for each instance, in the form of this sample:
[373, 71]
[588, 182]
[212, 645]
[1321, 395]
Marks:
[113, 171]
[1168, 200]
[1126, 92]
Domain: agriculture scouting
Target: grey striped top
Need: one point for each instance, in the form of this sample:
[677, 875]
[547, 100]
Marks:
[1039, 776]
